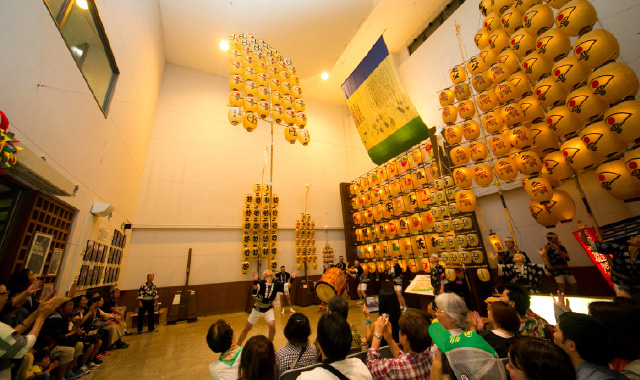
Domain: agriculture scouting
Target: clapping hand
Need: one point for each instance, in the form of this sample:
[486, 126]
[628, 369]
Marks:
[294, 274]
[47, 308]
[37, 285]
[365, 311]
[561, 302]
[255, 276]
[475, 320]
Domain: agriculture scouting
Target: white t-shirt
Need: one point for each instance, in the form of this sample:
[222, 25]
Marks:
[223, 370]
[352, 368]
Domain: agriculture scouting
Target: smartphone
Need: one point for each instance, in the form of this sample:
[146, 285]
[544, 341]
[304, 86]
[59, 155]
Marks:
[372, 304]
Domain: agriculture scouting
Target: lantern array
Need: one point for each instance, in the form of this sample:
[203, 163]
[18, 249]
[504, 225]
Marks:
[327, 255]
[305, 242]
[264, 85]
[260, 225]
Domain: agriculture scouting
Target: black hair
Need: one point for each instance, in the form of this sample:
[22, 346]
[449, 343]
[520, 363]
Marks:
[339, 306]
[621, 319]
[520, 296]
[258, 360]
[590, 336]
[415, 325]
[282, 267]
[334, 337]
[19, 281]
[297, 330]
[219, 336]
[540, 359]
[40, 354]
[77, 299]
[388, 304]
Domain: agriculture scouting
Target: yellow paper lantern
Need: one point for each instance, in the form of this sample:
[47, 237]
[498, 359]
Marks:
[299, 105]
[446, 97]
[423, 198]
[277, 98]
[632, 162]
[499, 144]
[303, 136]
[478, 150]
[250, 87]
[506, 92]
[595, 48]
[615, 178]
[541, 215]
[235, 67]
[584, 104]
[474, 65]
[289, 117]
[522, 43]
[291, 134]
[263, 109]
[512, 114]
[534, 66]
[538, 19]
[549, 92]
[428, 220]
[482, 174]
[459, 155]
[463, 177]
[511, 20]
[481, 81]
[483, 274]
[250, 104]
[449, 114]
[262, 79]
[487, 100]
[499, 72]
[277, 114]
[576, 17]
[491, 22]
[614, 82]
[454, 257]
[403, 164]
[466, 109]
[264, 93]
[481, 38]
[505, 168]
[543, 137]
[601, 141]
[453, 134]
[235, 115]
[561, 206]
[485, 7]
[553, 44]
[521, 82]
[477, 257]
[462, 91]
[465, 200]
[470, 129]
[498, 40]
[528, 162]
[577, 155]
[624, 120]
[450, 274]
[538, 189]
[532, 109]
[500, 6]
[509, 60]
[457, 74]
[236, 99]
[556, 166]
[557, 4]
[301, 119]
[249, 121]
[569, 72]
[488, 56]
[562, 121]
[492, 121]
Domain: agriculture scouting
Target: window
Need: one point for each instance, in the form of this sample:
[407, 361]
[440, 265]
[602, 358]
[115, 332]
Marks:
[82, 30]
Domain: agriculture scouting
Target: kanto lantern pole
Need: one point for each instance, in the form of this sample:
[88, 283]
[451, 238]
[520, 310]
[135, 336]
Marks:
[583, 196]
[506, 212]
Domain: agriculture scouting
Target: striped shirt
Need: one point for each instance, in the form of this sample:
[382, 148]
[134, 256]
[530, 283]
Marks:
[404, 366]
[148, 292]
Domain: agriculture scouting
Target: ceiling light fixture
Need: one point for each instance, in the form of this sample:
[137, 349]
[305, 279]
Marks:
[324, 76]
[82, 4]
[224, 45]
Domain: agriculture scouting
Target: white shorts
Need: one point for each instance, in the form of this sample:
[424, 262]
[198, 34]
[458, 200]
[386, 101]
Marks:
[571, 279]
[362, 286]
[286, 288]
[397, 287]
[256, 315]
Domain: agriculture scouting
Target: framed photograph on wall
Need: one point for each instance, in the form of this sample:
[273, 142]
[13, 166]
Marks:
[55, 262]
[38, 252]
[45, 290]
[88, 250]
[83, 275]
[87, 280]
[94, 251]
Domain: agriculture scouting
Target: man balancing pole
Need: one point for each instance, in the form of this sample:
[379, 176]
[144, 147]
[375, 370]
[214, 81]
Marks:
[265, 292]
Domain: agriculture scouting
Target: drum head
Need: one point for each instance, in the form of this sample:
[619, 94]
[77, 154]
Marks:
[325, 291]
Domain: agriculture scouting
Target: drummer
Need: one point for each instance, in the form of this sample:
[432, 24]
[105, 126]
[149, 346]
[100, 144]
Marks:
[358, 273]
[341, 263]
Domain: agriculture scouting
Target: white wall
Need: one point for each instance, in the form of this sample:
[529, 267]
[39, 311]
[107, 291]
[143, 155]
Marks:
[199, 167]
[53, 112]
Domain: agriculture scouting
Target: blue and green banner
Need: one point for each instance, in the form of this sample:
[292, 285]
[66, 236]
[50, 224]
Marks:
[384, 115]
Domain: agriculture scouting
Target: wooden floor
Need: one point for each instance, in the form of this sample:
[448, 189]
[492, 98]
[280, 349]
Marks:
[181, 352]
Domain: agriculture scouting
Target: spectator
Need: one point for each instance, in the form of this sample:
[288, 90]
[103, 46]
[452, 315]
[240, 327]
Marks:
[222, 340]
[258, 361]
[22, 286]
[339, 306]
[111, 306]
[588, 345]
[109, 323]
[388, 304]
[91, 339]
[621, 320]
[335, 340]
[452, 312]
[531, 324]
[533, 359]
[42, 365]
[415, 361]
[506, 324]
[298, 352]
[147, 302]
[68, 347]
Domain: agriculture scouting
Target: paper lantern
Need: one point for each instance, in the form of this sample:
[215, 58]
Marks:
[553, 45]
[577, 155]
[506, 92]
[289, 117]
[624, 120]
[561, 206]
[472, 240]
[557, 4]
[465, 200]
[462, 91]
[481, 81]
[498, 40]
[478, 150]
[534, 66]
[444, 210]
[299, 105]
[250, 87]
[569, 72]
[601, 141]
[475, 65]
[614, 177]
[301, 119]
[235, 115]
[264, 93]
[595, 48]
[482, 174]
[500, 6]
[541, 215]
[512, 114]
[449, 114]
[418, 156]
[466, 222]
[446, 224]
[524, 5]
[236, 67]
[454, 257]
[263, 109]
[448, 181]
[262, 79]
[446, 97]
[250, 73]
[303, 136]
[438, 226]
[277, 98]
[532, 109]
[291, 134]
[485, 7]
[423, 198]
[459, 155]
[428, 220]
[505, 169]
[549, 92]
[481, 38]
[522, 43]
[470, 129]
[584, 104]
[394, 187]
[562, 121]
[403, 164]
[288, 102]
[614, 82]
[528, 162]
[538, 189]
[462, 177]
[521, 82]
[576, 17]
[632, 162]
[477, 257]
[428, 149]
[250, 104]
[487, 100]
[466, 109]
[556, 166]
[457, 74]
[450, 274]
[422, 177]
[499, 144]
[509, 60]
[491, 22]
[538, 19]
[236, 99]
[511, 20]
[483, 274]
[249, 121]
[492, 121]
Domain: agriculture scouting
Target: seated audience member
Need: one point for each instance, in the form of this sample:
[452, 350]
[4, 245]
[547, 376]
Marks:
[298, 352]
[588, 345]
[387, 304]
[334, 338]
[506, 324]
[452, 312]
[91, 339]
[415, 361]
[463, 356]
[21, 287]
[42, 365]
[111, 306]
[222, 340]
[258, 361]
[531, 324]
[537, 359]
[339, 306]
[109, 323]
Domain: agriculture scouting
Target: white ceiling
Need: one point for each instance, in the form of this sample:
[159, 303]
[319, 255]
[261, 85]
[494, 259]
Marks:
[317, 35]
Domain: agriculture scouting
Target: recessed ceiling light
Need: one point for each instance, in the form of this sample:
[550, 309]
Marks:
[224, 45]
[324, 76]
[82, 4]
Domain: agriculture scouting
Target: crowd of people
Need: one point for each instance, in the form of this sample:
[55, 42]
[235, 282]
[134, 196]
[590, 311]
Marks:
[446, 342]
[57, 337]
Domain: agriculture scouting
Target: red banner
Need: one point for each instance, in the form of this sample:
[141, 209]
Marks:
[598, 259]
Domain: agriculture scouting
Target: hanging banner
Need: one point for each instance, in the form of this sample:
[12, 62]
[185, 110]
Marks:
[386, 120]
[598, 259]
